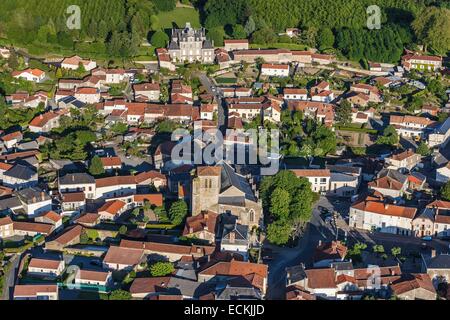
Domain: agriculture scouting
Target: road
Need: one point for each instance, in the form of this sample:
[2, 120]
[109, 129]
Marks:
[316, 230]
[211, 89]
[10, 278]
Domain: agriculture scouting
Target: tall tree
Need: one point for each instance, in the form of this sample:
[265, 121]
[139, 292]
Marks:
[96, 168]
[432, 27]
[344, 112]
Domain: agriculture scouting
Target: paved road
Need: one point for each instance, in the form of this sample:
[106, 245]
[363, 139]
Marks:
[211, 89]
[10, 278]
[316, 230]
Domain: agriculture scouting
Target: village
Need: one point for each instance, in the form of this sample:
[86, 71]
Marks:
[94, 204]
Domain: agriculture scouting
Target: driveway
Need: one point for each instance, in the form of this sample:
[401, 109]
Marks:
[10, 278]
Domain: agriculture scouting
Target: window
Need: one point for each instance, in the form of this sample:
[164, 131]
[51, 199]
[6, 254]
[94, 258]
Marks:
[252, 216]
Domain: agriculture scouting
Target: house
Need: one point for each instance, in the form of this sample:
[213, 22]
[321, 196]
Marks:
[407, 159]
[344, 181]
[275, 70]
[236, 44]
[45, 123]
[443, 173]
[111, 210]
[372, 92]
[294, 293]
[115, 76]
[74, 63]
[34, 75]
[88, 95]
[223, 58]
[11, 139]
[50, 217]
[431, 110]
[256, 274]
[70, 236]
[295, 94]
[111, 163]
[189, 44]
[319, 87]
[36, 292]
[20, 176]
[207, 111]
[325, 96]
[319, 178]
[32, 229]
[235, 238]
[410, 126]
[322, 112]
[90, 277]
[147, 92]
[164, 59]
[373, 214]
[142, 288]
[116, 186]
[437, 267]
[220, 189]
[88, 220]
[155, 178]
[439, 136]
[121, 258]
[78, 182]
[390, 183]
[414, 287]
[5, 53]
[72, 203]
[375, 66]
[421, 62]
[202, 226]
[327, 253]
[46, 267]
[34, 201]
[171, 252]
[6, 227]
[441, 211]
[322, 59]
[358, 99]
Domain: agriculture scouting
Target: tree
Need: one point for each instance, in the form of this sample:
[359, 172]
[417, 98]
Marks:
[390, 136]
[123, 229]
[239, 32]
[119, 128]
[159, 39]
[432, 27]
[280, 201]
[217, 35]
[84, 238]
[250, 26]
[161, 269]
[165, 5]
[445, 191]
[120, 295]
[344, 112]
[378, 248]
[279, 232]
[178, 212]
[13, 63]
[325, 39]
[396, 251]
[96, 168]
[423, 149]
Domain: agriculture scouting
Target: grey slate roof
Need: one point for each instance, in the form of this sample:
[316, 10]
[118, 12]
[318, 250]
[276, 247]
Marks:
[240, 231]
[76, 178]
[230, 178]
[10, 203]
[31, 195]
[21, 172]
[441, 261]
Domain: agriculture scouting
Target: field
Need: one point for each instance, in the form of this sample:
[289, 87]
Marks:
[179, 16]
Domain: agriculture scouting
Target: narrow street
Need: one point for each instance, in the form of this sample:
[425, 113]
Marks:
[10, 278]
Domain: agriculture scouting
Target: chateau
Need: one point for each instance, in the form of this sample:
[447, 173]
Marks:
[220, 189]
[191, 45]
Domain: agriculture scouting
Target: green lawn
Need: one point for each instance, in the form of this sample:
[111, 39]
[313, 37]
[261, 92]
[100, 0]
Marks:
[179, 16]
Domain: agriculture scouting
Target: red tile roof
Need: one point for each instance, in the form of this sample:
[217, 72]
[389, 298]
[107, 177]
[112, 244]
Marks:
[386, 209]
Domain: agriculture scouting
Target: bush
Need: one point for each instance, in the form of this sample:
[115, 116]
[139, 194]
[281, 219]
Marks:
[161, 269]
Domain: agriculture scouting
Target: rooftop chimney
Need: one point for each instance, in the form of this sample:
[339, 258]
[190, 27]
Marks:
[232, 237]
[433, 253]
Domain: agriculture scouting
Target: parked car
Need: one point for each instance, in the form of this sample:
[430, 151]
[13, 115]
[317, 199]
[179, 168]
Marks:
[427, 238]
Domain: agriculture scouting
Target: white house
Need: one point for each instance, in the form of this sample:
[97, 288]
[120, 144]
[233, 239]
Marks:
[36, 292]
[88, 95]
[147, 91]
[407, 159]
[319, 178]
[34, 75]
[275, 70]
[74, 62]
[325, 96]
[99, 278]
[46, 267]
[443, 173]
[372, 214]
[295, 94]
